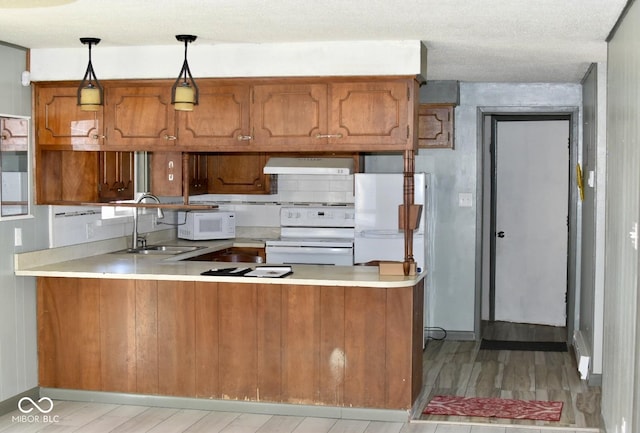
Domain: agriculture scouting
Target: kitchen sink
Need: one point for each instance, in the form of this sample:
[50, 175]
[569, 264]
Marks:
[233, 254]
[161, 249]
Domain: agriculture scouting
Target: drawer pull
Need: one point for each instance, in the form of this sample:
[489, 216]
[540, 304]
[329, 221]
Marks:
[329, 136]
[96, 136]
[244, 137]
[170, 137]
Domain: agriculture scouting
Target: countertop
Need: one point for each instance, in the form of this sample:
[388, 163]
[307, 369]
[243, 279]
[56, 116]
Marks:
[100, 260]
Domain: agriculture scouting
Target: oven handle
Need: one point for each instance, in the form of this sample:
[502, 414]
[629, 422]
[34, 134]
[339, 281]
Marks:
[380, 234]
[310, 250]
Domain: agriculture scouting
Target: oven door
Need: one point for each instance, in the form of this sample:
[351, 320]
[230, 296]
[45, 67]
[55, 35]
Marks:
[312, 255]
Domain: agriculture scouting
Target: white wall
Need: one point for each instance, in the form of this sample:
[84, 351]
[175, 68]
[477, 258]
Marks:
[18, 353]
[621, 362]
[453, 296]
[234, 60]
[591, 300]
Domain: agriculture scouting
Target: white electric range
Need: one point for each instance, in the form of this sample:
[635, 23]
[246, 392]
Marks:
[321, 235]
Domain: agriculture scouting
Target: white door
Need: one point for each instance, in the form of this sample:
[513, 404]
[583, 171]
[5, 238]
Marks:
[531, 209]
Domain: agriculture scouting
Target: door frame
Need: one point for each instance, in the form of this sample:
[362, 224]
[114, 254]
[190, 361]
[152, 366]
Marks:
[484, 229]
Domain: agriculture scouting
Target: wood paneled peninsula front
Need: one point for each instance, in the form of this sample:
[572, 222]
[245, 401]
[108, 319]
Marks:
[337, 336]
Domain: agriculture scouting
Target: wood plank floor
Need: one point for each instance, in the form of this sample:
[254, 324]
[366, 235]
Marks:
[460, 368]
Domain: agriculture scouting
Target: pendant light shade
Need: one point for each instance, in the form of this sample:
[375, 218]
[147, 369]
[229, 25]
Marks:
[184, 93]
[90, 93]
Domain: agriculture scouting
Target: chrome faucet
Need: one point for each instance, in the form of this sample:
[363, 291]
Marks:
[134, 235]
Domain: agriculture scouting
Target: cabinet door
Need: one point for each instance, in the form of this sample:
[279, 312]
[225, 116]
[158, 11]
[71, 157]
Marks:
[176, 338]
[68, 311]
[289, 116]
[368, 115]
[140, 117]
[435, 126]
[60, 122]
[219, 121]
[198, 175]
[238, 173]
[66, 176]
[14, 134]
[116, 176]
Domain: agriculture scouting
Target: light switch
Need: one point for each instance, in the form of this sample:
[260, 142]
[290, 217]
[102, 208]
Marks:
[17, 237]
[465, 199]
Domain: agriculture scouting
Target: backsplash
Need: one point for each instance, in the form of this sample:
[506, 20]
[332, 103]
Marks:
[256, 215]
[294, 188]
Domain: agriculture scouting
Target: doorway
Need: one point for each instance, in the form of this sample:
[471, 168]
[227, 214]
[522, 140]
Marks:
[526, 174]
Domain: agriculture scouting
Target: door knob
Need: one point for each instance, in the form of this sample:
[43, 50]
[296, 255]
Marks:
[500, 234]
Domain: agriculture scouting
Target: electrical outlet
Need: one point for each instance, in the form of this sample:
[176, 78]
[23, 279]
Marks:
[89, 230]
[465, 199]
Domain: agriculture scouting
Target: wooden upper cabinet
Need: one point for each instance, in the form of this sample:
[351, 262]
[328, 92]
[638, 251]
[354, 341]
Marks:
[367, 115]
[116, 176]
[340, 116]
[14, 134]
[219, 121]
[66, 176]
[140, 117]
[60, 122]
[198, 176]
[289, 116]
[237, 173]
[435, 126]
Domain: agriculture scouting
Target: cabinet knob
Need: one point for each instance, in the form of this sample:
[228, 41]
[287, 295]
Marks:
[97, 136]
[329, 136]
[170, 137]
[244, 137]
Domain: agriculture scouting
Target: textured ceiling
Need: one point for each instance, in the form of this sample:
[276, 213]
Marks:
[467, 40]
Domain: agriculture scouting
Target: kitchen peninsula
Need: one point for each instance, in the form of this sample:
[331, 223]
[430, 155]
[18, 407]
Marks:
[325, 337]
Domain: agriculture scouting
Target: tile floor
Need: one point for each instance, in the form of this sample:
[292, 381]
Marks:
[68, 416]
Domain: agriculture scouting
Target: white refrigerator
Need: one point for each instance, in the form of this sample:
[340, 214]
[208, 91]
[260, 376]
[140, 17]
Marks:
[377, 236]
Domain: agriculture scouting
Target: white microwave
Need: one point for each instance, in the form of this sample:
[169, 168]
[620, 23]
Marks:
[205, 225]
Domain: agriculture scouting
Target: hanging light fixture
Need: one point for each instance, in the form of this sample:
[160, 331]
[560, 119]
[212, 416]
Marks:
[90, 91]
[184, 93]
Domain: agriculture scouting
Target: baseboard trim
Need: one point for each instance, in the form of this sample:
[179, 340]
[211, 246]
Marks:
[461, 335]
[227, 405]
[11, 404]
[595, 379]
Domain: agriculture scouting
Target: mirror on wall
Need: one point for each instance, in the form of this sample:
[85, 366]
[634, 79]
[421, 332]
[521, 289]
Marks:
[14, 166]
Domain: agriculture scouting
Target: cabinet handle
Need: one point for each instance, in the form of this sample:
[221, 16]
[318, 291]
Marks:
[244, 137]
[4, 137]
[96, 136]
[329, 136]
[170, 137]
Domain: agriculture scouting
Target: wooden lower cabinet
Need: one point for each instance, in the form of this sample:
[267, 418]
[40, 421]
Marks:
[336, 346]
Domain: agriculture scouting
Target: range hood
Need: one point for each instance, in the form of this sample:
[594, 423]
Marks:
[309, 165]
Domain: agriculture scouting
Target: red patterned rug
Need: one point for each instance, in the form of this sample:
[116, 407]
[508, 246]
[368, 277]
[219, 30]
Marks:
[494, 408]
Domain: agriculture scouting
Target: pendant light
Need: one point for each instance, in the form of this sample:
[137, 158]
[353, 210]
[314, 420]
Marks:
[90, 91]
[184, 93]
